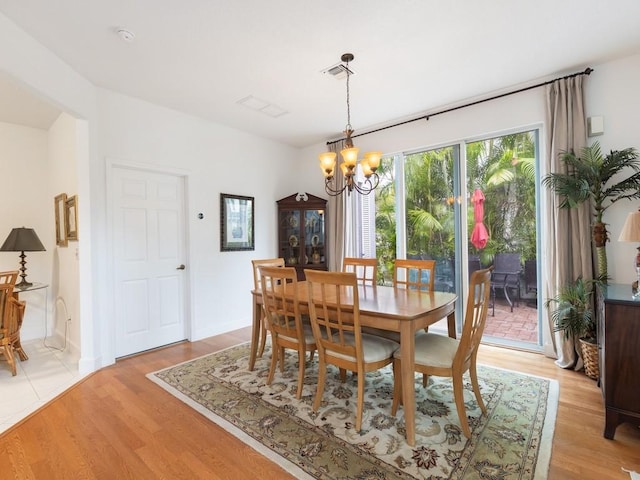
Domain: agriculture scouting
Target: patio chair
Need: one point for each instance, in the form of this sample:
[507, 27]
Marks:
[505, 276]
[442, 356]
[531, 276]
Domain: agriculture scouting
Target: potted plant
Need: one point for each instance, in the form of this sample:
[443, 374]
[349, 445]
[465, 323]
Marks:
[600, 180]
[574, 315]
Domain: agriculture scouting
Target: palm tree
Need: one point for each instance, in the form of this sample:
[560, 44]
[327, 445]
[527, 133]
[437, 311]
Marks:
[589, 179]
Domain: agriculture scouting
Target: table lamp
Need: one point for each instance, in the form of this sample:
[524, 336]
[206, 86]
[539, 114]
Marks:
[22, 240]
[631, 233]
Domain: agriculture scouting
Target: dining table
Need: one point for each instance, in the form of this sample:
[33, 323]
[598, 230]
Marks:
[401, 310]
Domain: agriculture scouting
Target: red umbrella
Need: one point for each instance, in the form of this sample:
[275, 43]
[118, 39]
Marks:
[479, 235]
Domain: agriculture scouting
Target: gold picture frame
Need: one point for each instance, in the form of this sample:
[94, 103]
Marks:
[71, 218]
[60, 206]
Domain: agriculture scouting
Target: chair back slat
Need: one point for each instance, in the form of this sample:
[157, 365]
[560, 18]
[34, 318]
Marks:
[279, 286]
[267, 262]
[414, 274]
[366, 269]
[334, 312]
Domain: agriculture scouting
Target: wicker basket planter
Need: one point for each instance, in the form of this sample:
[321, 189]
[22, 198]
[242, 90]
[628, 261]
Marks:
[590, 358]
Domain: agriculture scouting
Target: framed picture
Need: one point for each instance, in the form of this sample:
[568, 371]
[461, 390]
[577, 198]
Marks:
[61, 225]
[236, 223]
[71, 216]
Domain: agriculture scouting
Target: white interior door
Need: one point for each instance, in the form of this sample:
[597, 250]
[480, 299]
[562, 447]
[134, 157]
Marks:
[149, 255]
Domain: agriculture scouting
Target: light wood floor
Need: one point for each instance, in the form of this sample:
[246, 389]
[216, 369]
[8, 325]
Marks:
[116, 424]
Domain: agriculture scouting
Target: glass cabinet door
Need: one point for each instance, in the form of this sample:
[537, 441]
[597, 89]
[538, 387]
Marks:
[290, 233]
[314, 237]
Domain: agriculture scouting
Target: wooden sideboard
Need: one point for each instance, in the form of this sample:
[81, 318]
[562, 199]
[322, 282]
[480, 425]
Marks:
[619, 355]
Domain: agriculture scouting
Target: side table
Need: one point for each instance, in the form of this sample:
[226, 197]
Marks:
[16, 293]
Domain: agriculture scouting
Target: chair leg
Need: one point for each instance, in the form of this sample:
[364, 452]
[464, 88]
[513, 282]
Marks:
[281, 358]
[360, 401]
[476, 387]
[397, 387]
[425, 380]
[493, 301]
[458, 394]
[275, 351]
[263, 337]
[7, 350]
[322, 377]
[302, 356]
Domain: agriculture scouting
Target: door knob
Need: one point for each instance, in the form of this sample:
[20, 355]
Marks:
[181, 267]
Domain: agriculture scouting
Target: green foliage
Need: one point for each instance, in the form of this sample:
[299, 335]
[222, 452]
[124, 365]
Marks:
[503, 168]
[588, 177]
[573, 314]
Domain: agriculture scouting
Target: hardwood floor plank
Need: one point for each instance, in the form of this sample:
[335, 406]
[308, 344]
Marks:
[118, 424]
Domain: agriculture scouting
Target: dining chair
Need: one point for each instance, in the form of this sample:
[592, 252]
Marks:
[414, 274]
[9, 277]
[268, 262]
[334, 309]
[442, 356]
[11, 314]
[279, 286]
[366, 269]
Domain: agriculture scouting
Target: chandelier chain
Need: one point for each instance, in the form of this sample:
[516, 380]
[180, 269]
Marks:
[348, 127]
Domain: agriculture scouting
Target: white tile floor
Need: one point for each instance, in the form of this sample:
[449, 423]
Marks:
[44, 375]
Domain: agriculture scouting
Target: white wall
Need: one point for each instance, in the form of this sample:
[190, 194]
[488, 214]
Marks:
[26, 203]
[65, 275]
[612, 91]
[215, 160]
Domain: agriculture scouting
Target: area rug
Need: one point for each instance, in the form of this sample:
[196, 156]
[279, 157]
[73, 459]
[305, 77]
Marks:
[513, 441]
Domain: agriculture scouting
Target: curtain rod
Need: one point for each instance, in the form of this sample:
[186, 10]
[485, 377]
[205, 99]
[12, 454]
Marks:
[587, 71]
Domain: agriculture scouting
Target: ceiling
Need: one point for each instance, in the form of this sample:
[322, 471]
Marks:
[411, 56]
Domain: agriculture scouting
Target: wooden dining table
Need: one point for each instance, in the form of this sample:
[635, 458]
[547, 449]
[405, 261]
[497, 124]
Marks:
[387, 308]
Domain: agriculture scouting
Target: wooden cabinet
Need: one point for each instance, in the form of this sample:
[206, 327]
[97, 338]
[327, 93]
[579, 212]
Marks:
[301, 232]
[619, 355]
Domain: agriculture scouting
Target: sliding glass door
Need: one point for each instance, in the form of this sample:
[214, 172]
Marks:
[468, 206]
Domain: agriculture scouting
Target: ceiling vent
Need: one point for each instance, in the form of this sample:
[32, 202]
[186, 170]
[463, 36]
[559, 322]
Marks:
[262, 106]
[338, 71]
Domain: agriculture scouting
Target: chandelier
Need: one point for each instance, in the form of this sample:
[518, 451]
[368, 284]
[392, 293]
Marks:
[368, 165]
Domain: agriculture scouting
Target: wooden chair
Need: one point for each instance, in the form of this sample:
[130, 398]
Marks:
[443, 356]
[335, 319]
[10, 277]
[279, 286]
[269, 262]
[11, 314]
[410, 273]
[366, 269]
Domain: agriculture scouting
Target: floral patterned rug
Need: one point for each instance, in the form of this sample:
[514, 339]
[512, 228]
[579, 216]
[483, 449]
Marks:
[512, 442]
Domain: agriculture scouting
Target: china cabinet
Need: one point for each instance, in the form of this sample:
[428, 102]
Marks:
[618, 338]
[301, 232]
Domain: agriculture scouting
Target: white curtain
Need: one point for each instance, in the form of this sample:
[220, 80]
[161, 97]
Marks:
[567, 246]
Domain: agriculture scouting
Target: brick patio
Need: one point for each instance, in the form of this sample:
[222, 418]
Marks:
[521, 324]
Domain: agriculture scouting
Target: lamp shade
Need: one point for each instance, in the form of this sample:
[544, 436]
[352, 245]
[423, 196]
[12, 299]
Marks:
[22, 240]
[631, 229]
